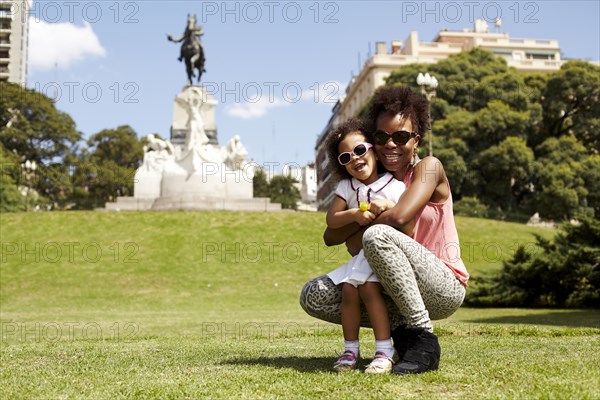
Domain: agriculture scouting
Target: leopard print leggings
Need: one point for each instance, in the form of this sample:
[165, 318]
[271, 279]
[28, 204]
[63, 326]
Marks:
[418, 286]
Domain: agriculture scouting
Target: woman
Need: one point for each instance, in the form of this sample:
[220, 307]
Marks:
[413, 247]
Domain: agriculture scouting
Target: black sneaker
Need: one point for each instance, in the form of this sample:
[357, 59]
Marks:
[421, 351]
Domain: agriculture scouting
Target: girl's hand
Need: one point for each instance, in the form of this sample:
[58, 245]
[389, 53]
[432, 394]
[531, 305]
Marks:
[364, 217]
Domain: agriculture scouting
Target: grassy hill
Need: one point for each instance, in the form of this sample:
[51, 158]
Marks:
[205, 304]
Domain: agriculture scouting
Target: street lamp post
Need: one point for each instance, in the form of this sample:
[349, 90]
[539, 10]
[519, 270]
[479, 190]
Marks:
[428, 85]
[29, 168]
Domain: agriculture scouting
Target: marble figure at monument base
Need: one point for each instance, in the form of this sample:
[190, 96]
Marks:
[191, 171]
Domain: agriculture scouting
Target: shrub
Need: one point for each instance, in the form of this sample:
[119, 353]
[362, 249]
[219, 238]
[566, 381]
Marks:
[471, 207]
[566, 273]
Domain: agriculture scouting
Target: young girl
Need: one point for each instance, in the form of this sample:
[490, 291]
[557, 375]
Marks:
[361, 196]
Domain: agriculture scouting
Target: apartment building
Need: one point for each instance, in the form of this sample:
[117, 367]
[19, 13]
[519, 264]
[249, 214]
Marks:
[14, 27]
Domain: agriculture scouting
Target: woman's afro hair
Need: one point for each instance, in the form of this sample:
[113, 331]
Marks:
[399, 100]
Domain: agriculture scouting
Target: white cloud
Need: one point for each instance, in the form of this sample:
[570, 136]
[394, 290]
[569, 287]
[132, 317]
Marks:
[327, 93]
[61, 44]
[255, 109]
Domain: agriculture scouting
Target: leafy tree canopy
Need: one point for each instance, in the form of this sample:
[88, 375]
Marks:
[280, 189]
[120, 146]
[32, 127]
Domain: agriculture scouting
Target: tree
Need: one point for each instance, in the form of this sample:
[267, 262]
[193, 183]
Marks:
[282, 190]
[110, 180]
[260, 185]
[109, 166]
[506, 170]
[506, 87]
[482, 129]
[455, 167]
[496, 122]
[571, 102]
[32, 127]
[120, 146]
[534, 85]
[560, 150]
[560, 179]
[460, 124]
[590, 172]
[460, 73]
[10, 198]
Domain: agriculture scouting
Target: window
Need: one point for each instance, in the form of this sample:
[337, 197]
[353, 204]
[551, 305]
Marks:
[540, 56]
[6, 7]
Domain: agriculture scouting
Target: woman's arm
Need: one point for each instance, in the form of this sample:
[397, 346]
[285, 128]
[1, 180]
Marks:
[428, 184]
[354, 242]
[333, 237]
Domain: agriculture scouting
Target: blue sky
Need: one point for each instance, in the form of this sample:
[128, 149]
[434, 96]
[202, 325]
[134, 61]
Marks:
[275, 67]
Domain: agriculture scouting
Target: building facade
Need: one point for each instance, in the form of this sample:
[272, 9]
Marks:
[522, 54]
[14, 29]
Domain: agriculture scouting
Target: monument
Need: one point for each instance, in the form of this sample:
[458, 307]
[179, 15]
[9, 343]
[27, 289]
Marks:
[191, 171]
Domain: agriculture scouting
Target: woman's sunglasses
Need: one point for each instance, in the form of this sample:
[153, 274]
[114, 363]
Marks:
[359, 150]
[399, 137]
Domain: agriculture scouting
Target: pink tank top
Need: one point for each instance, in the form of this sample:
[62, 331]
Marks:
[436, 231]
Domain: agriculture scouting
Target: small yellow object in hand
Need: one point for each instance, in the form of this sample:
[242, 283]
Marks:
[364, 206]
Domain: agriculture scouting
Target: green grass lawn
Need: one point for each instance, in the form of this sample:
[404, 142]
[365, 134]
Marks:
[205, 304]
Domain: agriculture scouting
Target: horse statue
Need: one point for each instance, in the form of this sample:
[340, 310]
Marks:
[191, 49]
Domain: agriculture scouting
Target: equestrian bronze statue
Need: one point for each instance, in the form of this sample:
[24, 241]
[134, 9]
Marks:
[191, 49]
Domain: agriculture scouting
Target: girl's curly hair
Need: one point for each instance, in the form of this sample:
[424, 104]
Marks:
[398, 100]
[334, 138]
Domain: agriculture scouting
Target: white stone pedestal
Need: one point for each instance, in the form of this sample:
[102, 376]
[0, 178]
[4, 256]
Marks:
[205, 103]
[147, 184]
[192, 171]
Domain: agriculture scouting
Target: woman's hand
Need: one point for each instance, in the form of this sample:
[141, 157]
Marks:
[363, 217]
[379, 206]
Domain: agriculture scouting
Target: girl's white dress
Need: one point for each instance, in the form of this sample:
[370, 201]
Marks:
[358, 271]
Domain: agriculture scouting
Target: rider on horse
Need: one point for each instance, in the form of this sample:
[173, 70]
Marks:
[191, 49]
